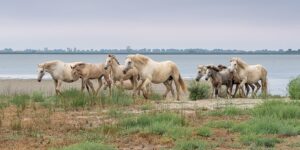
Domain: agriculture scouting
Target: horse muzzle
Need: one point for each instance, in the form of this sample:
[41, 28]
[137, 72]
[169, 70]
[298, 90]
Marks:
[105, 68]
[124, 71]
[39, 80]
[197, 79]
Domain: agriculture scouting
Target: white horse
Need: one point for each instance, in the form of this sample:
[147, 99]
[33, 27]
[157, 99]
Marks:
[155, 72]
[117, 72]
[59, 71]
[250, 74]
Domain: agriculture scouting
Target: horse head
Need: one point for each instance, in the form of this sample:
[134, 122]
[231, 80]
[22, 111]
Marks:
[201, 72]
[41, 72]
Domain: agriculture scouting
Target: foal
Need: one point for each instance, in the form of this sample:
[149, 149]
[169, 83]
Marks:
[219, 78]
[117, 72]
[89, 71]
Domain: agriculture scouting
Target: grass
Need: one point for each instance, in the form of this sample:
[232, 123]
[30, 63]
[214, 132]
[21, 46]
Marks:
[294, 88]
[88, 146]
[21, 101]
[115, 113]
[164, 124]
[221, 124]
[118, 97]
[199, 90]
[191, 145]
[228, 111]
[204, 132]
[38, 97]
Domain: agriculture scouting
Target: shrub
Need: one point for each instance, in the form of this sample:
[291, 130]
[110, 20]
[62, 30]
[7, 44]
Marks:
[294, 88]
[204, 131]
[199, 90]
[88, 146]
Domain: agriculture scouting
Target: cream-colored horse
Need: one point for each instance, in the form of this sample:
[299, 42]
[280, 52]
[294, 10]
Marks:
[117, 72]
[59, 71]
[89, 71]
[155, 72]
[250, 74]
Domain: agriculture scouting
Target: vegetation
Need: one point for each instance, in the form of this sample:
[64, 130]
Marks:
[204, 131]
[294, 88]
[120, 121]
[88, 146]
[199, 90]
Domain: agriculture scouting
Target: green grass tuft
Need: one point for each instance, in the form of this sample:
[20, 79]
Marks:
[88, 146]
[21, 101]
[37, 97]
[204, 132]
[191, 145]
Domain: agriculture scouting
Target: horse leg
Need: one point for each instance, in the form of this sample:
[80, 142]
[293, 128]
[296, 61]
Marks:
[106, 77]
[167, 89]
[177, 85]
[82, 85]
[144, 88]
[236, 89]
[90, 84]
[257, 88]
[133, 83]
[99, 85]
[139, 85]
[241, 87]
[55, 86]
[172, 90]
[247, 89]
[59, 82]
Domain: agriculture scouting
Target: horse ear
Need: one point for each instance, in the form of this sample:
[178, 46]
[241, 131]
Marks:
[40, 65]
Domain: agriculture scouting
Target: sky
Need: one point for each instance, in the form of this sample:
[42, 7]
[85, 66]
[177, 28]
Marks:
[109, 24]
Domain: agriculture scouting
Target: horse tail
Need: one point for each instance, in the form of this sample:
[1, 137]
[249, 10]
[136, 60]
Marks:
[182, 84]
[264, 82]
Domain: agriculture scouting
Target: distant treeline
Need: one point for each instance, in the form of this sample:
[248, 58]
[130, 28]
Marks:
[146, 51]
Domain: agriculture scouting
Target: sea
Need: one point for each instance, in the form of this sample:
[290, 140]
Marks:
[281, 68]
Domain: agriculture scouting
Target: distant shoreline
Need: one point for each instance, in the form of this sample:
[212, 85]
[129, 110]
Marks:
[151, 53]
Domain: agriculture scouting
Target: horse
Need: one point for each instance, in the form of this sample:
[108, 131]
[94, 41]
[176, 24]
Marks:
[237, 81]
[117, 72]
[151, 71]
[89, 71]
[219, 78]
[59, 71]
[250, 74]
[201, 72]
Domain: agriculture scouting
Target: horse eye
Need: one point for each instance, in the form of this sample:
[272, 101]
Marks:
[129, 62]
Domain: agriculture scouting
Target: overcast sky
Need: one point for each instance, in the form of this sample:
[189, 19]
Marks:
[86, 24]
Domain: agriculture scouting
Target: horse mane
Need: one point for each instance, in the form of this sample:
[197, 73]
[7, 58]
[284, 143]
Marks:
[139, 58]
[48, 64]
[213, 68]
[221, 67]
[115, 58]
[240, 62]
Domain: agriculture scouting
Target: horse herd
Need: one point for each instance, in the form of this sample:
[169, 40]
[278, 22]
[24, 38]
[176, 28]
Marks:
[141, 71]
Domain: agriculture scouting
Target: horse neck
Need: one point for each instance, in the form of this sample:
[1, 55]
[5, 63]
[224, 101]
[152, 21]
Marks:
[115, 68]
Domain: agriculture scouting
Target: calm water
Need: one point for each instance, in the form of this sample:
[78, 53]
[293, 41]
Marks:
[281, 68]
